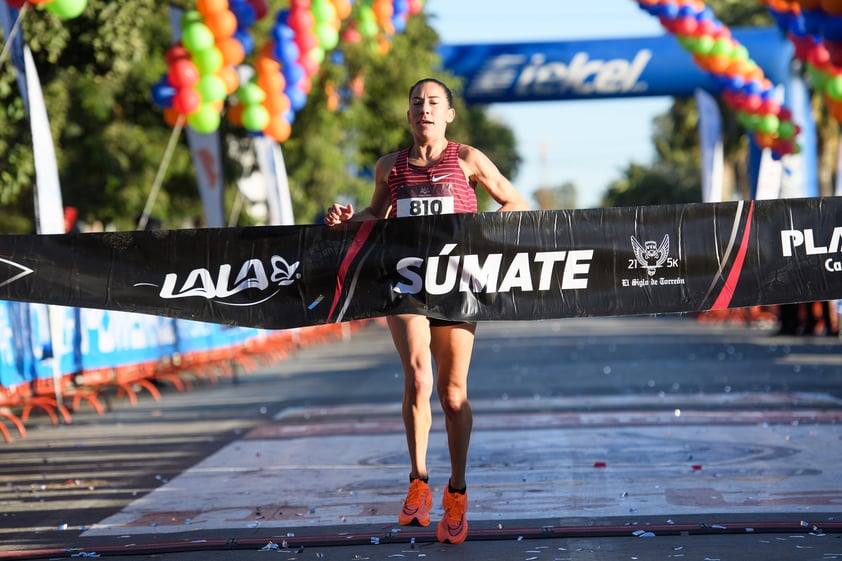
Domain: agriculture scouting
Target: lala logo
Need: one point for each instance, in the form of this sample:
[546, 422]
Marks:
[251, 276]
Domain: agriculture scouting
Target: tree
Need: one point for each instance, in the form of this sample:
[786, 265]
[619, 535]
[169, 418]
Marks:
[97, 71]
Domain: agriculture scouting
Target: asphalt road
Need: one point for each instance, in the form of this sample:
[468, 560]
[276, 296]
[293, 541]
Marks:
[610, 438]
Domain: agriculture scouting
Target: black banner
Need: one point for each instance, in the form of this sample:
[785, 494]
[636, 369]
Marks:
[488, 266]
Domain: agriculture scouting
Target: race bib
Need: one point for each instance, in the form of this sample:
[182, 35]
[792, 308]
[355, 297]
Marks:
[424, 200]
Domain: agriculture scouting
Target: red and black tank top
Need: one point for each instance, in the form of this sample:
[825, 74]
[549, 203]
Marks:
[441, 188]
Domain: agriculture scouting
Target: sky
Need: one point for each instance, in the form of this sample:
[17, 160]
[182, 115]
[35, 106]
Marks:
[588, 143]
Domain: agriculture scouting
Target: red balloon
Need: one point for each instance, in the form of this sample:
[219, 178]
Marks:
[752, 103]
[770, 106]
[183, 73]
[186, 101]
[300, 20]
[176, 52]
[260, 8]
[686, 26]
[16, 4]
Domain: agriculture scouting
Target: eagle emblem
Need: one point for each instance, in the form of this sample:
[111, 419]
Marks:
[650, 255]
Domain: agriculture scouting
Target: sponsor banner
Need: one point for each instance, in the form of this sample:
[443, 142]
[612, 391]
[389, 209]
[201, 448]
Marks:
[710, 141]
[487, 266]
[270, 158]
[594, 69]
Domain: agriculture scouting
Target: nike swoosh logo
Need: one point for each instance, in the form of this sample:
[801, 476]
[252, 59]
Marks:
[437, 178]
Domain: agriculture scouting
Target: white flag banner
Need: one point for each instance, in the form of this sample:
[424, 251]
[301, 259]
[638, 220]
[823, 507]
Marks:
[769, 177]
[207, 161]
[710, 138]
[49, 211]
[206, 154]
[270, 159]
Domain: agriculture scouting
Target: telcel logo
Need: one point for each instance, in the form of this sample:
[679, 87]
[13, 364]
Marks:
[582, 75]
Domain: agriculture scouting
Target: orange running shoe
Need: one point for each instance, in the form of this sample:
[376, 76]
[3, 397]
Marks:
[453, 527]
[417, 505]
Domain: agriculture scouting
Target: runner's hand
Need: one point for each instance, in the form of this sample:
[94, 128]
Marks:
[337, 214]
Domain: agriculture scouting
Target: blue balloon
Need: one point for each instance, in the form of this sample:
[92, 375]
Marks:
[293, 73]
[401, 6]
[289, 116]
[297, 98]
[753, 87]
[245, 14]
[812, 21]
[399, 23]
[687, 11]
[282, 17]
[245, 39]
[163, 92]
[282, 32]
[832, 29]
[705, 15]
[286, 52]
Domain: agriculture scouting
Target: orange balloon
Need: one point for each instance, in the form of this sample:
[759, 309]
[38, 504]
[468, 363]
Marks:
[277, 103]
[271, 82]
[208, 7]
[343, 8]
[171, 116]
[266, 65]
[235, 114]
[229, 76]
[222, 24]
[764, 140]
[232, 51]
[278, 128]
[384, 10]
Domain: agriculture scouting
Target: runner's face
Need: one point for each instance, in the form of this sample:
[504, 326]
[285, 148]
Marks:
[429, 112]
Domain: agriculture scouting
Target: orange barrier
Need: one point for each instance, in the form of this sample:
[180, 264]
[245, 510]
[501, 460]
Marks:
[181, 371]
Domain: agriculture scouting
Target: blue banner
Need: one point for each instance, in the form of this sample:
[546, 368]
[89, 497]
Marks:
[603, 68]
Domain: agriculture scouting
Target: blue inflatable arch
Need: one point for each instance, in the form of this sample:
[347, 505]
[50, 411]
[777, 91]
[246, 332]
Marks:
[627, 67]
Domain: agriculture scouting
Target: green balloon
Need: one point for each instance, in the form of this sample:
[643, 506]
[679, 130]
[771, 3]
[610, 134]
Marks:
[211, 88]
[818, 79]
[67, 9]
[367, 22]
[768, 124]
[251, 94]
[323, 11]
[328, 36]
[208, 61]
[834, 87]
[190, 17]
[786, 130]
[704, 44]
[204, 120]
[255, 118]
[722, 47]
[197, 37]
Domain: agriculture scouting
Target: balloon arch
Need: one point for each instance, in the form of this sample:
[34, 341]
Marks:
[216, 38]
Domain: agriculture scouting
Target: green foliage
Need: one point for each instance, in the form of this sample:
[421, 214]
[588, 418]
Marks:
[97, 71]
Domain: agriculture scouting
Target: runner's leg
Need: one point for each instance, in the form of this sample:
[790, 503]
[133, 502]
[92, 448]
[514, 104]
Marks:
[411, 335]
[452, 346]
